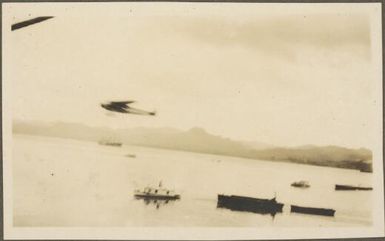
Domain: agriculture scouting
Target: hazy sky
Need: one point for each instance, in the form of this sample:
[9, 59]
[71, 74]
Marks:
[282, 74]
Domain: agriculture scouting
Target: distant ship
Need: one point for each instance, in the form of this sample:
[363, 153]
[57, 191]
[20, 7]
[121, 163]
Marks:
[301, 184]
[351, 188]
[110, 143]
[249, 204]
[311, 210]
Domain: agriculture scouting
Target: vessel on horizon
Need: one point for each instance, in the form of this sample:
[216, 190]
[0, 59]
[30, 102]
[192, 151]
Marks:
[110, 143]
[301, 184]
[339, 187]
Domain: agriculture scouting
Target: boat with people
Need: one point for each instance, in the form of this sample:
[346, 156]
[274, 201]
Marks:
[339, 187]
[312, 210]
[301, 184]
[158, 193]
[249, 204]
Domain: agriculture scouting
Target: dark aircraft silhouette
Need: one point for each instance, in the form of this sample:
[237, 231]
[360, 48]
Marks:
[29, 22]
[123, 107]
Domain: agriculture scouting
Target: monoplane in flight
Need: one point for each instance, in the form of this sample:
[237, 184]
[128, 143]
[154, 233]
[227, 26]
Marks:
[123, 107]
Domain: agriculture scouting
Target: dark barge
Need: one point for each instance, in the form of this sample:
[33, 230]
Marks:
[310, 210]
[249, 204]
[351, 188]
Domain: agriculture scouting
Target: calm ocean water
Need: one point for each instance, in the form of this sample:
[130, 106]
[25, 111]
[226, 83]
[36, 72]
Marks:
[63, 182]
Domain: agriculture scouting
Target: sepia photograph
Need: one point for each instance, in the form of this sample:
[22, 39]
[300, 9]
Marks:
[183, 120]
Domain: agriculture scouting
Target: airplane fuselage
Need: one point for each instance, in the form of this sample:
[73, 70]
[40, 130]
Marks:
[114, 108]
[126, 109]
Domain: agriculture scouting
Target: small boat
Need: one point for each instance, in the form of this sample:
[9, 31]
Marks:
[351, 188]
[310, 210]
[159, 193]
[109, 143]
[249, 204]
[301, 184]
[131, 155]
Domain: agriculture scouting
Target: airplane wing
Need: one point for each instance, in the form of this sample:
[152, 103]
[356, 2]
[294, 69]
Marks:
[122, 103]
[29, 22]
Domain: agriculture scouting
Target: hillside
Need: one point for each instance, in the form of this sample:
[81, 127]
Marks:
[198, 140]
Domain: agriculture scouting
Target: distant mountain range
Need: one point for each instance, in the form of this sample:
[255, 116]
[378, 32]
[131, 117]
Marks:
[198, 140]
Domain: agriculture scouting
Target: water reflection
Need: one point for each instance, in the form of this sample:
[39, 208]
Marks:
[155, 202]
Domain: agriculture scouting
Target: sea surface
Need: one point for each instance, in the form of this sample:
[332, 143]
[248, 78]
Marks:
[70, 183]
